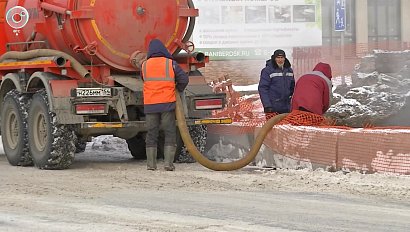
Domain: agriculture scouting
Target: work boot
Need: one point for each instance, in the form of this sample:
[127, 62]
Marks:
[169, 153]
[151, 158]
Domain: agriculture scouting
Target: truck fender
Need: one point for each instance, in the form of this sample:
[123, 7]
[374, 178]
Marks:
[43, 80]
[10, 81]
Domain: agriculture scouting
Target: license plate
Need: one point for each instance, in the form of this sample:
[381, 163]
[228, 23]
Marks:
[93, 92]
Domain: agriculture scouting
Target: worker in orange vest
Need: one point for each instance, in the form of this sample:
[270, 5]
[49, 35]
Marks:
[162, 76]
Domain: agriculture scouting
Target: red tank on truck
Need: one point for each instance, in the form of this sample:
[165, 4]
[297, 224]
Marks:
[70, 70]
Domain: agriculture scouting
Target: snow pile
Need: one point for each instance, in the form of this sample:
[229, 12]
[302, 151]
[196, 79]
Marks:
[108, 143]
[378, 93]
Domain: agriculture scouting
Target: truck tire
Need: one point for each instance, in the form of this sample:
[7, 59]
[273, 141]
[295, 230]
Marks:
[14, 128]
[51, 145]
[136, 146]
[80, 144]
[198, 134]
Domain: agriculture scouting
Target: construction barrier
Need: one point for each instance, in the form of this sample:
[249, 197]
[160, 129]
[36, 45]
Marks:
[364, 150]
[308, 138]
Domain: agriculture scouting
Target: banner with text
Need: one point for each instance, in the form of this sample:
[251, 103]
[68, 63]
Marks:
[252, 29]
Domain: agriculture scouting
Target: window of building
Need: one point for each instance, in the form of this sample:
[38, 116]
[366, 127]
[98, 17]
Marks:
[384, 24]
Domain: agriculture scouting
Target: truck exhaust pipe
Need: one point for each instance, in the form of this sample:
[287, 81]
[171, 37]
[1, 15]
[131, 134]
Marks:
[198, 56]
[60, 61]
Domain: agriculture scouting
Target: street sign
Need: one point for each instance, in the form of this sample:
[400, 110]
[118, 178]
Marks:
[340, 15]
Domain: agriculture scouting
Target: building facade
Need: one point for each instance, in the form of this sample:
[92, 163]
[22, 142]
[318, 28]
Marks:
[370, 24]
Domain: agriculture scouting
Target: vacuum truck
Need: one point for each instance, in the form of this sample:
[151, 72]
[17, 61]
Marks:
[70, 70]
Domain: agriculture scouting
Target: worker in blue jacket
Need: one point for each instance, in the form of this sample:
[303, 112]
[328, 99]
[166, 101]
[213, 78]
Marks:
[276, 84]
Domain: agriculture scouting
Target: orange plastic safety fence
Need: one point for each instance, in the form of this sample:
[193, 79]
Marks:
[303, 118]
[319, 141]
[246, 113]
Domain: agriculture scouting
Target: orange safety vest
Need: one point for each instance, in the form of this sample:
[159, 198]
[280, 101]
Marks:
[159, 81]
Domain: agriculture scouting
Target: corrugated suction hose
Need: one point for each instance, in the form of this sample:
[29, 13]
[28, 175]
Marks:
[79, 68]
[249, 157]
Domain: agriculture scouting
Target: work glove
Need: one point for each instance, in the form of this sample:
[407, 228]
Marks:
[268, 110]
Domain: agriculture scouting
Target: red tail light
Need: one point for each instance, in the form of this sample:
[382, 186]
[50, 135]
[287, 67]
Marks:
[91, 109]
[208, 104]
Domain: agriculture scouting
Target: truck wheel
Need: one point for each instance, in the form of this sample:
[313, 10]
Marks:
[198, 134]
[136, 146]
[51, 145]
[80, 144]
[14, 128]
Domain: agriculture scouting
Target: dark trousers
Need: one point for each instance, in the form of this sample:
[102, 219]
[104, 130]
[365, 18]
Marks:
[153, 122]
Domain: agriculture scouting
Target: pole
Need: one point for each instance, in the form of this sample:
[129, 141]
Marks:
[340, 25]
[342, 56]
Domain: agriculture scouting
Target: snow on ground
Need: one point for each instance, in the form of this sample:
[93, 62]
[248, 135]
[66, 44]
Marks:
[335, 80]
[244, 88]
[390, 186]
[304, 179]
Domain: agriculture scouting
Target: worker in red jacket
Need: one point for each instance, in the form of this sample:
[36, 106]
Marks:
[313, 91]
[162, 77]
